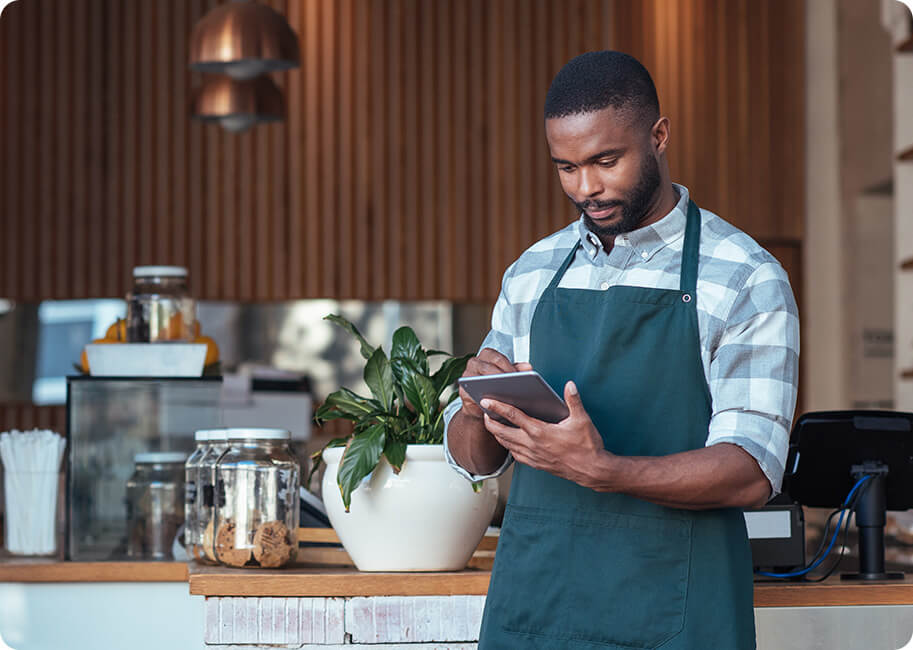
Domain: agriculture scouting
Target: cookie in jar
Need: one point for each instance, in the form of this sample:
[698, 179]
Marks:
[256, 513]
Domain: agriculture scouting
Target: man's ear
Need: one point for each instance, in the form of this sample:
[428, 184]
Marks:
[659, 135]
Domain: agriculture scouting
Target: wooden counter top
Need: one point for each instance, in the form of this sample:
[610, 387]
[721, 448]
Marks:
[833, 591]
[345, 581]
[332, 581]
[326, 581]
[28, 570]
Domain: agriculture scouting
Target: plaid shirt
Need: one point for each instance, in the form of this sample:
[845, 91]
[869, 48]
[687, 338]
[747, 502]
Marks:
[747, 317]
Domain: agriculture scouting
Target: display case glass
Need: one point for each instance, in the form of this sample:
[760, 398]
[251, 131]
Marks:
[109, 422]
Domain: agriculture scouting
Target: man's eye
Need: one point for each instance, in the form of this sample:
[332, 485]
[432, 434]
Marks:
[608, 162]
[566, 168]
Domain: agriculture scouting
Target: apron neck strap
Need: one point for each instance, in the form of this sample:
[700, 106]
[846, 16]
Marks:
[690, 254]
[691, 250]
[564, 266]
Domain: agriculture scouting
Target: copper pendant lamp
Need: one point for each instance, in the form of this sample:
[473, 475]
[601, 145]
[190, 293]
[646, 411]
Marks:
[243, 39]
[238, 105]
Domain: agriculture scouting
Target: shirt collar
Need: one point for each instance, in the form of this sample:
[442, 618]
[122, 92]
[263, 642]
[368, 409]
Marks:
[646, 241]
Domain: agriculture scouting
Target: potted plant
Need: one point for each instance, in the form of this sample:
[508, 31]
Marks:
[388, 490]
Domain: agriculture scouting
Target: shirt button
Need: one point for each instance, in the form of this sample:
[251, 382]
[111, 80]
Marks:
[644, 255]
[604, 286]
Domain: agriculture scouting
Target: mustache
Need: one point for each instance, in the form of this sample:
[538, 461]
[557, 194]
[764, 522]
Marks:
[598, 205]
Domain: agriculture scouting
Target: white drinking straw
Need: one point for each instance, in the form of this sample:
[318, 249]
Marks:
[31, 462]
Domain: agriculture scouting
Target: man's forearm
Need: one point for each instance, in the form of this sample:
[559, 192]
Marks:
[472, 446]
[719, 476]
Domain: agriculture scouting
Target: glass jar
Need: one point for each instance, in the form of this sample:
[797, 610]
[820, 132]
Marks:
[155, 505]
[256, 520]
[159, 307]
[204, 516]
[192, 538]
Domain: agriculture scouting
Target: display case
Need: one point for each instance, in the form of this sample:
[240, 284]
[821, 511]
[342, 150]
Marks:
[109, 422]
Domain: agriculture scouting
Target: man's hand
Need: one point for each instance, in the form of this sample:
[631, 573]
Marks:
[719, 476]
[488, 362]
[565, 449]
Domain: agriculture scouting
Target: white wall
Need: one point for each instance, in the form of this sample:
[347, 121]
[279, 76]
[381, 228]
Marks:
[101, 616]
[824, 326]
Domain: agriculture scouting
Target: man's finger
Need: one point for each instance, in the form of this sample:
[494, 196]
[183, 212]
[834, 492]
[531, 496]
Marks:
[510, 413]
[481, 367]
[572, 399]
[523, 366]
[492, 356]
[503, 433]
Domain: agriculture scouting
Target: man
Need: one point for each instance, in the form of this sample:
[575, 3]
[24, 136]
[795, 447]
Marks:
[675, 339]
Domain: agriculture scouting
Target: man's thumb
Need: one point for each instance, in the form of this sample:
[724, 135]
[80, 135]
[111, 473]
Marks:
[572, 397]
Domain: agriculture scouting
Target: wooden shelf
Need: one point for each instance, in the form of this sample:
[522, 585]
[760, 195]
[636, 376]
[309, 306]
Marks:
[313, 581]
[906, 155]
[906, 374]
[327, 581]
[321, 581]
[27, 570]
[328, 536]
[833, 592]
[907, 264]
[482, 558]
[905, 46]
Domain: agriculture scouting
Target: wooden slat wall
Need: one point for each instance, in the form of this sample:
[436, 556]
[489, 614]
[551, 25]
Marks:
[731, 77]
[412, 164]
[26, 416]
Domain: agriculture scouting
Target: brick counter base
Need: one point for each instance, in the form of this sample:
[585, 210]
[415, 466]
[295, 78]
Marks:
[378, 622]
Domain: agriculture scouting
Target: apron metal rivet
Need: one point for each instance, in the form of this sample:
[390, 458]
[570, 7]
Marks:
[686, 297]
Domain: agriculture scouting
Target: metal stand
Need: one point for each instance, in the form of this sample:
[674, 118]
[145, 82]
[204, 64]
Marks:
[870, 520]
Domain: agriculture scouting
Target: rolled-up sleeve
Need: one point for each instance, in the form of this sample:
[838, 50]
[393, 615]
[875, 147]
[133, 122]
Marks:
[500, 338]
[754, 371]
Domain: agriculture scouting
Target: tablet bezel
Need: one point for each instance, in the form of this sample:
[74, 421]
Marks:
[525, 390]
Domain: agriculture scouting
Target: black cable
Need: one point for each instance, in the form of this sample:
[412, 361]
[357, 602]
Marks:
[848, 506]
[843, 546]
[825, 534]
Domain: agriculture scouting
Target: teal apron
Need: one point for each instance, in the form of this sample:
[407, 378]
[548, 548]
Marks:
[579, 569]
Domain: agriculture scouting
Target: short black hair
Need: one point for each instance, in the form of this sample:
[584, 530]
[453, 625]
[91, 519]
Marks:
[597, 80]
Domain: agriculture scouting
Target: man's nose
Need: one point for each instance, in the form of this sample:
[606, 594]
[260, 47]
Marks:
[589, 183]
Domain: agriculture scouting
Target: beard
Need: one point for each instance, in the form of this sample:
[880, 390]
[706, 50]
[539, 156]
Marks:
[634, 206]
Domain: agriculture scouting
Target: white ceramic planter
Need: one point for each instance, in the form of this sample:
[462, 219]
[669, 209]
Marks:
[427, 518]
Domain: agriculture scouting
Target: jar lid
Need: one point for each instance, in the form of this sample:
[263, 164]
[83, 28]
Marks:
[159, 271]
[203, 435]
[258, 434]
[160, 457]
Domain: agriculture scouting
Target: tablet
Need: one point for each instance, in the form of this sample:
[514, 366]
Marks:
[525, 390]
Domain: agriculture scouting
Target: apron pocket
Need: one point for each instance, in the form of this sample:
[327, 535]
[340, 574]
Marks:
[607, 578]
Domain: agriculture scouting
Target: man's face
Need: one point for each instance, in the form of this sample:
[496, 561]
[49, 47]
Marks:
[607, 168]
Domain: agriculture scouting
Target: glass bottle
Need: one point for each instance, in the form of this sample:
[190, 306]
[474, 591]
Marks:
[205, 553]
[192, 537]
[155, 505]
[159, 307]
[257, 497]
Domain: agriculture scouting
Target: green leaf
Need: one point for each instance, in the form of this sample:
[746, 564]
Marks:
[406, 346]
[317, 458]
[379, 378]
[400, 395]
[349, 404]
[359, 459]
[325, 414]
[450, 371]
[421, 394]
[366, 349]
[395, 453]
[402, 370]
